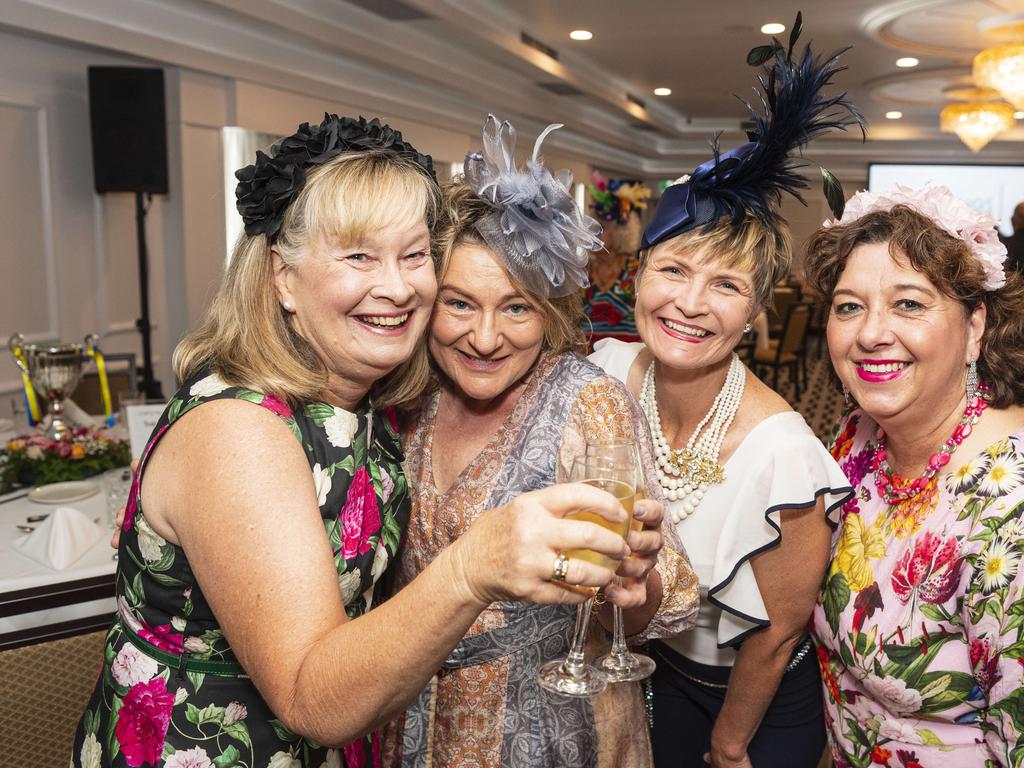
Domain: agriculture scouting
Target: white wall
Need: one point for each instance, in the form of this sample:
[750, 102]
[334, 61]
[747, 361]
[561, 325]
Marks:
[68, 256]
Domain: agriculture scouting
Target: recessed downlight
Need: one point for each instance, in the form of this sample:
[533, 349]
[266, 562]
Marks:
[907, 61]
[773, 28]
[581, 34]
[662, 91]
[894, 115]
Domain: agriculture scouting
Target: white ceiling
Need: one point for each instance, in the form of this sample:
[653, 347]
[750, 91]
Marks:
[447, 62]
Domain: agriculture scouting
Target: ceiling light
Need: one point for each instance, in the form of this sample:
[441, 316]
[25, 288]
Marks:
[662, 91]
[1002, 67]
[581, 34]
[907, 61]
[1018, 115]
[894, 115]
[773, 28]
[976, 124]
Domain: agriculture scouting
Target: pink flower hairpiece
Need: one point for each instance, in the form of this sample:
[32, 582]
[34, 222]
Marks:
[976, 228]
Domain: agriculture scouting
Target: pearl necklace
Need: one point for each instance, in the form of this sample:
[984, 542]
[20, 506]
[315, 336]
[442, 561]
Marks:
[685, 474]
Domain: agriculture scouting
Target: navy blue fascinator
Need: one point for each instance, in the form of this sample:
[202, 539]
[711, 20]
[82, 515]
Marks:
[536, 228]
[751, 178]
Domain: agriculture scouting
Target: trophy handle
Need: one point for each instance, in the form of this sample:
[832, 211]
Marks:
[16, 344]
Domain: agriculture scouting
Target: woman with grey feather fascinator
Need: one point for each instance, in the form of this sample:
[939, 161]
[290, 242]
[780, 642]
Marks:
[751, 490]
[514, 405]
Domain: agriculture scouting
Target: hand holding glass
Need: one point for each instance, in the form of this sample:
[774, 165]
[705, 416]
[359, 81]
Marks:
[622, 665]
[572, 676]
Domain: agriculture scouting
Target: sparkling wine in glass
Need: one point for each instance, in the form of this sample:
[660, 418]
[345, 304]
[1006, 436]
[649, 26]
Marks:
[573, 676]
[621, 665]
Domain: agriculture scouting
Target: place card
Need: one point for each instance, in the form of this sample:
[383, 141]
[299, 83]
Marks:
[140, 421]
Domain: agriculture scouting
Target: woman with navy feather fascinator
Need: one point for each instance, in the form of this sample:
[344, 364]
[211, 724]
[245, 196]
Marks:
[751, 491]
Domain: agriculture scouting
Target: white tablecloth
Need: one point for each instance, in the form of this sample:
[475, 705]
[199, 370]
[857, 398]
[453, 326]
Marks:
[18, 572]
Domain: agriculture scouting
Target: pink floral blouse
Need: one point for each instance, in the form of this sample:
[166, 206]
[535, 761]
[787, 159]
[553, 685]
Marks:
[920, 622]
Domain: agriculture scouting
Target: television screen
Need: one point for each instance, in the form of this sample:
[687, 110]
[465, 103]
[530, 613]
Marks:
[993, 188]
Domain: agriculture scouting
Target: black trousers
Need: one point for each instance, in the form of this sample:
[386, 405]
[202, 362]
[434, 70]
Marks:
[792, 734]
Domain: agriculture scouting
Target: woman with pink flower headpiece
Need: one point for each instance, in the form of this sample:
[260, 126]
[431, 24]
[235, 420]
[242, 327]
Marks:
[920, 622]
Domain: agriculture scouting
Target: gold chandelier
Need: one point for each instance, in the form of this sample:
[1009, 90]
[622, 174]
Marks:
[1002, 66]
[977, 123]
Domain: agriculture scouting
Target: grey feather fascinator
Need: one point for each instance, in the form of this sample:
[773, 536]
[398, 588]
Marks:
[536, 227]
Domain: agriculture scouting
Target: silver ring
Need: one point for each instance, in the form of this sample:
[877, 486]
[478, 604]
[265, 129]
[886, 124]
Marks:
[561, 567]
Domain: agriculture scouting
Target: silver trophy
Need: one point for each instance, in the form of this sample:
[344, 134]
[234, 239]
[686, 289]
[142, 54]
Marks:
[54, 371]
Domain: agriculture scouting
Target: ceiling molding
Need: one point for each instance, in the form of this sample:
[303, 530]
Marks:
[465, 58]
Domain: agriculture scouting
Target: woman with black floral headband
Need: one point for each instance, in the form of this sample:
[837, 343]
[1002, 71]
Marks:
[270, 499]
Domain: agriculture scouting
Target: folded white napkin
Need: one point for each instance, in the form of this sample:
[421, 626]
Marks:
[61, 539]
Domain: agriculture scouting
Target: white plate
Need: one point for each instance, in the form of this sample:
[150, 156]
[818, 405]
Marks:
[61, 493]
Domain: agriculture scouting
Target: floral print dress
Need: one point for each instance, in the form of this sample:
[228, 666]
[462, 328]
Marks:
[171, 692]
[920, 623]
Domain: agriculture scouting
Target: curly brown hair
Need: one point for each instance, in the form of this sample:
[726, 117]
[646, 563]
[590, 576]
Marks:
[948, 262]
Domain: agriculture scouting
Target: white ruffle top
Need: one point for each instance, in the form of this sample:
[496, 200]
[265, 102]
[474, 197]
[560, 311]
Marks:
[780, 464]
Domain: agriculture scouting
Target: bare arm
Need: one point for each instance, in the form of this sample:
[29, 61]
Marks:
[789, 594]
[233, 487]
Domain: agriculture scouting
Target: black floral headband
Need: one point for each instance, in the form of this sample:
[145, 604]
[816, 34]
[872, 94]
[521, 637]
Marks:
[266, 188]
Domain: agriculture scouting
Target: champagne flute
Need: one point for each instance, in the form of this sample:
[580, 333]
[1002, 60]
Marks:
[621, 665]
[572, 676]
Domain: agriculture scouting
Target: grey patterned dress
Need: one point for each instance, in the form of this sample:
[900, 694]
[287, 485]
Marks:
[484, 707]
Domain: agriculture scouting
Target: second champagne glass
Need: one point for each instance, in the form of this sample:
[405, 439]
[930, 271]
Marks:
[572, 676]
[621, 665]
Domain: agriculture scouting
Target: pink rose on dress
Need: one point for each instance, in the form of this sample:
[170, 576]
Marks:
[142, 722]
[985, 664]
[930, 569]
[131, 666]
[360, 518]
[354, 754]
[163, 638]
[387, 485]
[271, 403]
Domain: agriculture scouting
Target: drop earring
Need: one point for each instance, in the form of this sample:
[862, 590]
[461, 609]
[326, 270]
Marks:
[972, 381]
[747, 327]
[847, 400]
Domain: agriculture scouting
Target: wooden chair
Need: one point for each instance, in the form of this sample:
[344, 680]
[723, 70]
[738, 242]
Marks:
[819, 321]
[782, 300]
[122, 377]
[789, 351]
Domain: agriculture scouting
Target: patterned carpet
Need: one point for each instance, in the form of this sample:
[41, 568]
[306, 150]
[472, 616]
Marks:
[821, 404]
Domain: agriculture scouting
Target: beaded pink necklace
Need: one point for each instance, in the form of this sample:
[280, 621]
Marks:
[895, 489]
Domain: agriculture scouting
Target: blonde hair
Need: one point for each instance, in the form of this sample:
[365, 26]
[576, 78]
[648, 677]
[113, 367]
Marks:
[761, 246]
[563, 317]
[247, 338]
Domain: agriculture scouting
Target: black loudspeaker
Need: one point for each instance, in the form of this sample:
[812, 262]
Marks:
[129, 129]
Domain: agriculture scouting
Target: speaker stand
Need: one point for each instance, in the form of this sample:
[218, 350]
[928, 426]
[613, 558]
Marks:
[151, 386]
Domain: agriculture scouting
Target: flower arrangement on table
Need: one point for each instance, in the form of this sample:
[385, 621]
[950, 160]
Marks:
[38, 460]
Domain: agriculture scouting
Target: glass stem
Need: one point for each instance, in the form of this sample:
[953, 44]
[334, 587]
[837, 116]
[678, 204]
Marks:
[574, 661]
[619, 648]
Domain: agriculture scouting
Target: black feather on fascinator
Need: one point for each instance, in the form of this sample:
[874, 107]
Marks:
[751, 178]
[536, 227]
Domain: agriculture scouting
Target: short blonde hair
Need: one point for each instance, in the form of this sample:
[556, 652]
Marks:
[247, 338]
[758, 245]
[563, 317]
